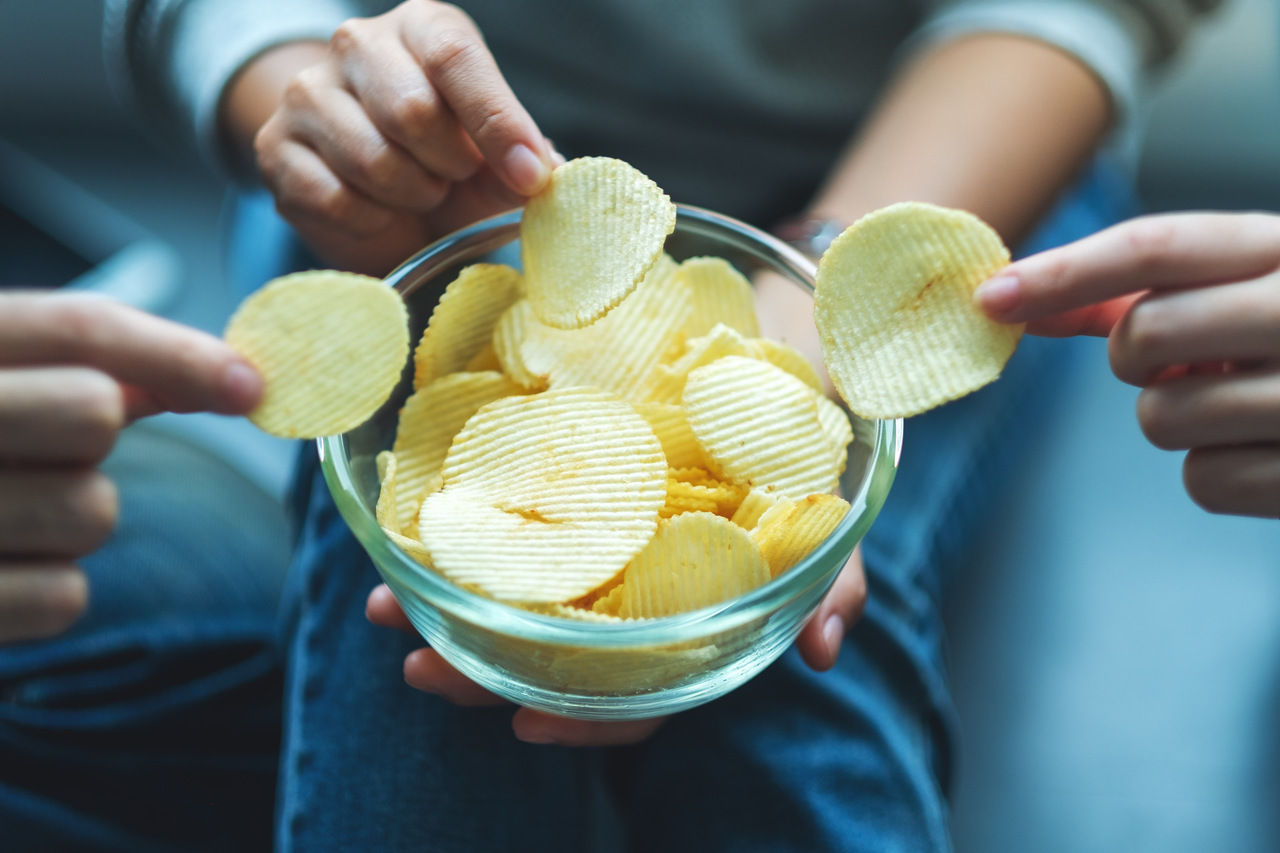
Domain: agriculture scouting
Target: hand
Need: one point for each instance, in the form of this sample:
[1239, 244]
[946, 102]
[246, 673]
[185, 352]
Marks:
[74, 370]
[1191, 305]
[405, 131]
[424, 669]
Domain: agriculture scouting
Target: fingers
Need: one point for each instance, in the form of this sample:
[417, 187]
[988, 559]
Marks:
[1153, 252]
[449, 48]
[173, 366]
[1231, 322]
[54, 512]
[40, 600]
[820, 639]
[1204, 410]
[58, 415]
[425, 670]
[381, 608]
[1235, 480]
[533, 726]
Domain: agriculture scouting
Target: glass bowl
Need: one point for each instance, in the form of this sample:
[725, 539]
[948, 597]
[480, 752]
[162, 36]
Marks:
[593, 670]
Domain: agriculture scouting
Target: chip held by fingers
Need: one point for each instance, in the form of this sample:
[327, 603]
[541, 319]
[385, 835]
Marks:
[330, 347]
[589, 238]
[894, 308]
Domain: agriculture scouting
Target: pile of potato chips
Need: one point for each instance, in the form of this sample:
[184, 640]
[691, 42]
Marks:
[644, 459]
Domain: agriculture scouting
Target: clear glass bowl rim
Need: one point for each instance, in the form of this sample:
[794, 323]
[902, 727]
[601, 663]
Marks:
[459, 603]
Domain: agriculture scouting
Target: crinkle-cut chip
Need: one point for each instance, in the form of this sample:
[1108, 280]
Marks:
[546, 497]
[330, 347]
[789, 359]
[760, 426]
[385, 509]
[610, 603]
[461, 324]
[429, 420]
[895, 312]
[589, 237]
[513, 327]
[412, 547]
[721, 294]
[610, 671]
[693, 474]
[486, 359]
[616, 354]
[667, 383]
[585, 602]
[836, 425]
[694, 560]
[686, 497]
[672, 429]
[787, 533]
[568, 611]
[756, 503]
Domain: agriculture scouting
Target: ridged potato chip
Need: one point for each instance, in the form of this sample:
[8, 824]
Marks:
[756, 503]
[894, 308]
[589, 237]
[721, 294]
[789, 359]
[694, 560]
[760, 426]
[461, 324]
[330, 347]
[667, 383]
[429, 420]
[671, 426]
[618, 353]
[788, 531]
[839, 431]
[545, 497]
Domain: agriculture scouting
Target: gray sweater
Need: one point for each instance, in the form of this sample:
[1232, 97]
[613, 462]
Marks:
[737, 105]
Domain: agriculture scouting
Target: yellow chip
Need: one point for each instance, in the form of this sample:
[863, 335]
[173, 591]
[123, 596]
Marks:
[330, 347]
[788, 531]
[545, 497]
[618, 353]
[894, 308]
[461, 324]
[756, 503]
[694, 560]
[671, 426]
[385, 509]
[788, 358]
[721, 294]
[667, 383]
[589, 238]
[431, 417]
[760, 426]
[839, 432]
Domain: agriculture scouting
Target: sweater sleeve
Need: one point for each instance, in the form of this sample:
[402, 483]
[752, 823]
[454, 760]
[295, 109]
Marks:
[171, 60]
[1123, 42]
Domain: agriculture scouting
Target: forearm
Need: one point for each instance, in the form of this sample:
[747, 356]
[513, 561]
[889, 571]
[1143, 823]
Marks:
[255, 92]
[994, 124]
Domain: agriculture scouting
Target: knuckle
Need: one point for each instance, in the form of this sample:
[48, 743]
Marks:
[351, 36]
[453, 45]
[1151, 243]
[97, 508]
[100, 402]
[413, 115]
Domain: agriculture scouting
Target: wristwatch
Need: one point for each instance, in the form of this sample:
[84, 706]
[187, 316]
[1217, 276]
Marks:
[810, 237]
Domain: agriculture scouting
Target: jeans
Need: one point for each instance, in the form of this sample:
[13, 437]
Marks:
[158, 729]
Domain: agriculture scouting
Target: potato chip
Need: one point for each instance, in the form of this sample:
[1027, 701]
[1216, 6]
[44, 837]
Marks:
[753, 506]
[790, 530]
[330, 347]
[667, 384]
[429, 420]
[589, 238]
[385, 509]
[461, 325]
[694, 560]
[617, 353]
[611, 670]
[838, 429]
[760, 426]
[546, 497]
[894, 308]
[671, 426]
[721, 294]
[788, 358]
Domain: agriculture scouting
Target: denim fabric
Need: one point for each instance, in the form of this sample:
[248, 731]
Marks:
[154, 723]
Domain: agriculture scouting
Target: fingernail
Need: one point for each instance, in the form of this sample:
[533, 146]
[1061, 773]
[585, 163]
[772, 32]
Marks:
[833, 635]
[536, 736]
[525, 170]
[998, 296]
[243, 386]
